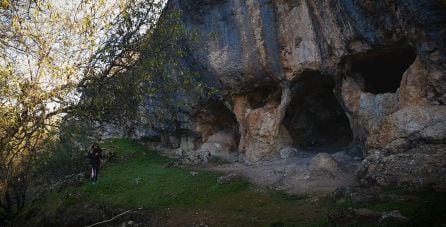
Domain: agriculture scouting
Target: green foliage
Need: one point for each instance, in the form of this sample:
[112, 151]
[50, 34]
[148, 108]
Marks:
[68, 154]
[158, 71]
[46, 48]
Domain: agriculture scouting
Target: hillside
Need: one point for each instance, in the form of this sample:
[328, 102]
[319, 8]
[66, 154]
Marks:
[140, 181]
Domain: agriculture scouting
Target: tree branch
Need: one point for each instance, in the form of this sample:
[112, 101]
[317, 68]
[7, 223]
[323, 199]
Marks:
[109, 220]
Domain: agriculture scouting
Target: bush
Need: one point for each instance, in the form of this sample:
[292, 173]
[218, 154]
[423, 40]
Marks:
[67, 154]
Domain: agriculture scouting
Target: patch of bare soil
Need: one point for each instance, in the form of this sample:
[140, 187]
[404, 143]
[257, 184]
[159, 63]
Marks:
[305, 173]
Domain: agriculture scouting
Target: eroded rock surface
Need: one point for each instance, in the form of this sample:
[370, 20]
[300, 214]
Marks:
[383, 62]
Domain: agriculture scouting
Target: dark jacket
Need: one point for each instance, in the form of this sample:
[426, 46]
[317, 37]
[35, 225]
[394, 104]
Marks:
[95, 157]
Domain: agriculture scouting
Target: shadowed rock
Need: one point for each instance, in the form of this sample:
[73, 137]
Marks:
[322, 73]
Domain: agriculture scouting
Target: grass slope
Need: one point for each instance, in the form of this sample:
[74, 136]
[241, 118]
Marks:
[176, 198]
[171, 194]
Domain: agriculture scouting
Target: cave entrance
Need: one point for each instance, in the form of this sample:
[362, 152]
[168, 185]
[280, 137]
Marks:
[215, 117]
[381, 72]
[314, 118]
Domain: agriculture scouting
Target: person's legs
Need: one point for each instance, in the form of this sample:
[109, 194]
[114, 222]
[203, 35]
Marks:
[94, 174]
[98, 167]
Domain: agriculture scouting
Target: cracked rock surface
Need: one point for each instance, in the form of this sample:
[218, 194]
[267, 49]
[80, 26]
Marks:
[325, 74]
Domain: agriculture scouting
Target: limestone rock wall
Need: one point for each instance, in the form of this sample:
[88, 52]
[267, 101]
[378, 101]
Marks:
[385, 58]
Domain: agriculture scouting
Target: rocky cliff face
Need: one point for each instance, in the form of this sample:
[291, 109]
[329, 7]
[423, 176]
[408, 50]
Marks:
[327, 74]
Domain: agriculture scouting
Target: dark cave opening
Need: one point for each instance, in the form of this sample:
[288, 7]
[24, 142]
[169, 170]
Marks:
[215, 117]
[314, 118]
[381, 72]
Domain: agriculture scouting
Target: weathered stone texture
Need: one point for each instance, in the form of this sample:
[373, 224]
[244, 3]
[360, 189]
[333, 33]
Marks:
[387, 60]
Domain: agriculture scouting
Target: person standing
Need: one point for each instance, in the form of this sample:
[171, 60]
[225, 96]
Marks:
[95, 161]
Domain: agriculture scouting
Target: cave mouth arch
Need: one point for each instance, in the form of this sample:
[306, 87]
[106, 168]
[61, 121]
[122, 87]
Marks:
[382, 71]
[314, 118]
[214, 117]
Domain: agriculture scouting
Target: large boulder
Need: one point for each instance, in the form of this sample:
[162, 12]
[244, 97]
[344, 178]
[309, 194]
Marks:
[325, 163]
[221, 145]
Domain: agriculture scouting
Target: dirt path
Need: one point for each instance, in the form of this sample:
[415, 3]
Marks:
[294, 175]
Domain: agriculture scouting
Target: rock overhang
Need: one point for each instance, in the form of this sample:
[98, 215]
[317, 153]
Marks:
[259, 50]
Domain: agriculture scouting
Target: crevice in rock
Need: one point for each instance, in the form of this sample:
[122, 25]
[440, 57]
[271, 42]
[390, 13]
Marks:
[314, 118]
[381, 72]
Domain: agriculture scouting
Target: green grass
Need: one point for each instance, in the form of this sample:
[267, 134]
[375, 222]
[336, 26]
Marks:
[143, 182]
[179, 199]
[123, 146]
[423, 208]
